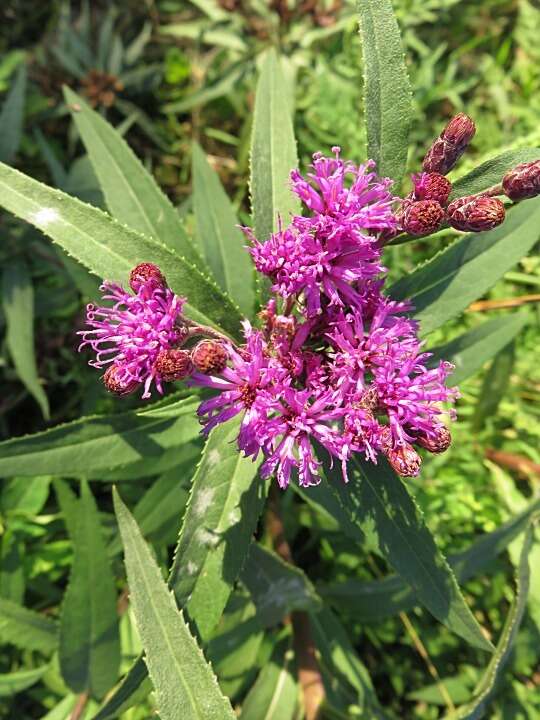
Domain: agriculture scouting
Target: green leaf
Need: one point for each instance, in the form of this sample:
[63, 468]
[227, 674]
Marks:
[491, 172]
[12, 579]
[185, 685]
[340, 664]
[110, 249]
[226, 499]
[470, 351]
[16, 682]
[136, 683]
[89, 640]
[221, 240]
[387, 92]
[27, 629]
[18, 302]
[20, 495]
[377, 498]
[496, 383]
[373, 601]
[273, 151]
[443, 287]
[132, 195]
[12, 117]
[95, 445]
[483, 692]
[276, 587]
[233, 652]
[274, 696]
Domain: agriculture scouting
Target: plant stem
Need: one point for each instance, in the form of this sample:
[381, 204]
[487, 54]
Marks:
[79, 706]
[309, 673]
[483, 305]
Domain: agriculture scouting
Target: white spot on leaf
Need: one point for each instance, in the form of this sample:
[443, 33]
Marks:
[207, 538]
[203, 501]
[213, 457]
[44, 217]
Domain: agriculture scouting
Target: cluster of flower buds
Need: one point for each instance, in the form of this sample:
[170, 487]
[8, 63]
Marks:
[145, 338]
[426, 208]
[334, 364]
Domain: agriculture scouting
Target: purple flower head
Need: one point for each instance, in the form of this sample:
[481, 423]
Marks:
[240, 387]
[338, 244]
[298, 417]
[129, 335]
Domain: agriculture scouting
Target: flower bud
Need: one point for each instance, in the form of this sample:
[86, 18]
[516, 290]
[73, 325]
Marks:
[209, 357]
[145, 272]
[422, 218]
[475, 213]
[173, 364]
[450, 145]
[116, 384]
[523, 181]
[431, 186]
[439, 442]
[405, 460]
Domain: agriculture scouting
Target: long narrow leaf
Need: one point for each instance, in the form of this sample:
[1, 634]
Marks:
[133, 196]
[108, 248]
[89, 640]
[12, 117]
[273, 151]
[185, 685]
[18, 302]
[387, 93]
[222, 242]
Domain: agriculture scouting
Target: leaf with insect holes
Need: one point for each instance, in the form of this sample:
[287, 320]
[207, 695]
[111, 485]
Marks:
[387, 92]
[186, 688]
[132, 195]
[111, 250]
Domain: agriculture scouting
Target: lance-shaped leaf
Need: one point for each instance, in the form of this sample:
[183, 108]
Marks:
[378, 499]
[470, 351]
[483, 692]
[110, 249]
[185, 685]
[387, 92]
[92, 446]
[443, 287]
[27, 629]
[132, 195]
[491, 172]
[89, 640]
[18, 303]
[222, 242]
[16, 682]
[340, 662]
[373, 601]
[273, 151]
[12, 117]
[494, 386]
[274, 696]
[276, 587]
[226, 500]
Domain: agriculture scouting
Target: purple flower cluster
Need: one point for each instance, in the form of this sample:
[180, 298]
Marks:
[333, 362]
